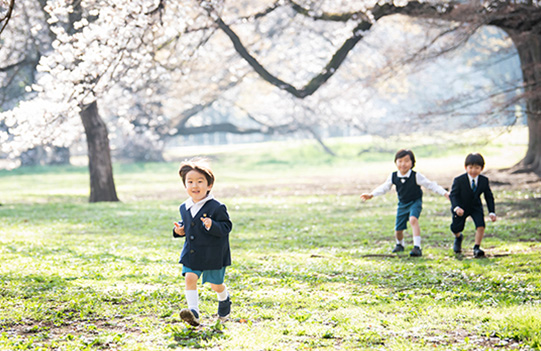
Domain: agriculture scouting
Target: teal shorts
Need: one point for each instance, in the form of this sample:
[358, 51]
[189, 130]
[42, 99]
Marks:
[213, 276]
[407, 210]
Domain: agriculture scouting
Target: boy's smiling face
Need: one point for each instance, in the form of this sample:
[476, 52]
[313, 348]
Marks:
[197, 185]
[404, 164]
[473, 170]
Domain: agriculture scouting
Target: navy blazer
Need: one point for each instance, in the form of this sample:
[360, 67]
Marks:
[206, 249]
[463, 196]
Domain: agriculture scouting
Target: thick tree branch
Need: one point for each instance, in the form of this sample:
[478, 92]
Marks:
[316, 82]
[412, 8]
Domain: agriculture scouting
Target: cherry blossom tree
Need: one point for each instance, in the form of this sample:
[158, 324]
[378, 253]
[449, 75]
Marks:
[98, 46]
[520, 19]
[173, 58]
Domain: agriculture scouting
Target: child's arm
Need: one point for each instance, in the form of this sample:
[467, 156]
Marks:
[454, 197]
[430, 185]
[366, 196]
[217, 224]
[380, 190]
[178, 230]
[207, 222]
[489, 198]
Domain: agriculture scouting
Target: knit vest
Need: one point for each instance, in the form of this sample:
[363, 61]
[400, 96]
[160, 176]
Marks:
[409, 190]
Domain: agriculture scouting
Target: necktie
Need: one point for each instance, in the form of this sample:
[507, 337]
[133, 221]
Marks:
[473, 185]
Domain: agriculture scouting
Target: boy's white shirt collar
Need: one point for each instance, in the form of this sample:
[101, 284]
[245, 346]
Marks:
[400, 175]
[194, 207]
[474, 179]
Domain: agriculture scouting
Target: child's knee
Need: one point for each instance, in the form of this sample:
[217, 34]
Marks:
[217, 287]
[414, 220]
[191, 278]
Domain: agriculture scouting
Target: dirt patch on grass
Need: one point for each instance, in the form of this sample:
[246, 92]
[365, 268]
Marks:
[460, 336]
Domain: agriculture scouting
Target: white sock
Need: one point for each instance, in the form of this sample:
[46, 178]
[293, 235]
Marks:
[193, 299]
[417, 241]
[223, 295]
[401, 242]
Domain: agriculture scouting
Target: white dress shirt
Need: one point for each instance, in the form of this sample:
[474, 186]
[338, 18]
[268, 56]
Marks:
[421, 180]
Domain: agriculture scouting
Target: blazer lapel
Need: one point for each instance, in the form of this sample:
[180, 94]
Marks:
[203, 211]
[468, 184]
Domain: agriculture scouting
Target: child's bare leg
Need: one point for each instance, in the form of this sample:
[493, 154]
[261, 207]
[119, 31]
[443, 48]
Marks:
[221, 291]
[416, 230]
[415, 226]
[217, 287]
[479, 234]
[399, 235]
[190, 280]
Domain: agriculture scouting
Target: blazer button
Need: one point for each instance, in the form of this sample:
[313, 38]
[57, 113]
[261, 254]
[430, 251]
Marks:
[193, 224]
[192, 237]
[192, 251]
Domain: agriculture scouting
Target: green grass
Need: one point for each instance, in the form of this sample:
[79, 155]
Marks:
[311, 264]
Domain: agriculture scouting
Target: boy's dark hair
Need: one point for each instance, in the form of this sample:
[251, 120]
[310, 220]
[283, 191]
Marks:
[404, 152]
[196, 164]
[475, 159]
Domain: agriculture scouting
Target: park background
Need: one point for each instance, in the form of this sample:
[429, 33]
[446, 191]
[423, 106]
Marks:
[300, 107]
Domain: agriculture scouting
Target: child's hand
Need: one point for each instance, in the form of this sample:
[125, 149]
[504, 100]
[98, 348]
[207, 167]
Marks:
[492, 217]
[365, 196]
[179, 230]
[207, 222]
[459, 212]
[447, 195]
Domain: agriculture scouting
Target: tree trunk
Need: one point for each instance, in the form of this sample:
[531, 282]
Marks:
[102, 185]
[529, 50]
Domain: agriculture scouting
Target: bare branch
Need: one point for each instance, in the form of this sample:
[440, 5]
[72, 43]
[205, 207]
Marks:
[7, 16]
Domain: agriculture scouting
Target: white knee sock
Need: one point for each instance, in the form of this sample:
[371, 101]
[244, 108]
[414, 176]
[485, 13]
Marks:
[223, 295]
[417, 241]
[193, 299]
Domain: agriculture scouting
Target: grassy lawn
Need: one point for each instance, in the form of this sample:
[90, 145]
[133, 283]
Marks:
[312, 268]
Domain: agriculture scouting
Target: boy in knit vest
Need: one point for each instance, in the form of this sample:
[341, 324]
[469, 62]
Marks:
[410, 198]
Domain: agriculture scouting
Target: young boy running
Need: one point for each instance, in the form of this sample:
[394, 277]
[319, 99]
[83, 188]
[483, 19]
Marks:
[466, 201]
[410, 198]
[206, 226]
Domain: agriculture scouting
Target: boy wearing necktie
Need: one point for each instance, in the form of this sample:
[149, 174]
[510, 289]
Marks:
[466, 201]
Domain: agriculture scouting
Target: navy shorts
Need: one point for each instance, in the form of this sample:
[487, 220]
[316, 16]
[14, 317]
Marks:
[459, 222]
[213, 276]
[407, 210]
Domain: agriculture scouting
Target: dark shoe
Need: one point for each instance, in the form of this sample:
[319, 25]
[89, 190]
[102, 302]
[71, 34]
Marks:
[457, 246]
[224, 308]
[190, 316]
[416, 252]
[478, 253]
[398, 248]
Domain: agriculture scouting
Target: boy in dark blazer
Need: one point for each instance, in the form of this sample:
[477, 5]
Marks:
[466, 201]
[206, 226]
